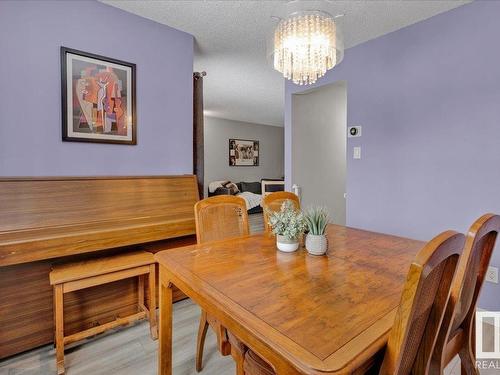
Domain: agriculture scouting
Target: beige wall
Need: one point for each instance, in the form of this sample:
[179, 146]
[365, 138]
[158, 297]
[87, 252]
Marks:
[319, 132]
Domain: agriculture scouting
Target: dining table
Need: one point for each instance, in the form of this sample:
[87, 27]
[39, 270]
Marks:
[302, 314]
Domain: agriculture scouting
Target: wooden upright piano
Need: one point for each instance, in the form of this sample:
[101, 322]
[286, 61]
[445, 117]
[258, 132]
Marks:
[49, 220]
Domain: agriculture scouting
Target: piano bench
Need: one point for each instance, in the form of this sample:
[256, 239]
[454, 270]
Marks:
[69, 277]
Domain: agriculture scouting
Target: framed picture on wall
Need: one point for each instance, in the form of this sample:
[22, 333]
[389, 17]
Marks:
[98, 98]
[243, 153]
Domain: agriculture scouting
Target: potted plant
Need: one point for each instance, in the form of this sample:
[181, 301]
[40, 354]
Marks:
[287, 224]
[317, 220]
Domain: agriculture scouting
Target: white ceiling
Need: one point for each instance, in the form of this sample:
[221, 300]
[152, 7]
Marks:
[231, 40]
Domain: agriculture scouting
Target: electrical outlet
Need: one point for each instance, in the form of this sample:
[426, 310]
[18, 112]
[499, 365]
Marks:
[492, 275]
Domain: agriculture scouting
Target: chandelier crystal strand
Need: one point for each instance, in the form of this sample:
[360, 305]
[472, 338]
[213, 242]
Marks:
[305, 47]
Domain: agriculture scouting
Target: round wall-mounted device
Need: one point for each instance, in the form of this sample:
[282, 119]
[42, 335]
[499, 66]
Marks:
[354, 131]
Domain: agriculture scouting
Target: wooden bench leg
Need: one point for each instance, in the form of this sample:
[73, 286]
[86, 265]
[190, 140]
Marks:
[59, 321]
[152, 301]
[140, 292]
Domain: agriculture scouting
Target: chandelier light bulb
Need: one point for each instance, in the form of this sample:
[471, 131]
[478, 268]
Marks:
[305, 46]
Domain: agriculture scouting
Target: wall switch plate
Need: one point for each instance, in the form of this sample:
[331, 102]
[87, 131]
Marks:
[356, 153]
[492, 275]
[354, 131]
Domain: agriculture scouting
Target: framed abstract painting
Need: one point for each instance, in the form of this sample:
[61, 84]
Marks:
[243, 153]
[98, 98]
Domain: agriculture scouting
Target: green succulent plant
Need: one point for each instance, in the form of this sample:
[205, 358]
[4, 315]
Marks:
[317, 220]
[288, 221]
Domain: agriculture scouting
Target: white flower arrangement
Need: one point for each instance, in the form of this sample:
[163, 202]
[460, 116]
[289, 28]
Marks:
[288, 221]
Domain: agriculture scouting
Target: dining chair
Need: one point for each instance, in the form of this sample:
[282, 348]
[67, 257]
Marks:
[422, 307]
[460, 336]
[217, 218]
[273, 202]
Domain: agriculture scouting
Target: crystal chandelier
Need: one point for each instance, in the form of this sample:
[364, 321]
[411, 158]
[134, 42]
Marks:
[306, 45]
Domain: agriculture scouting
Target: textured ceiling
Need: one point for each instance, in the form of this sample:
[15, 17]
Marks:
[231, 40]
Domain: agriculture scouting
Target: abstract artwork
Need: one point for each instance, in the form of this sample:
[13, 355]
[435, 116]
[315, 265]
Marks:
[98, 98]
[243, 153]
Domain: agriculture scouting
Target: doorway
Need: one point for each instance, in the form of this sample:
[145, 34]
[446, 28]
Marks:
[319, 137]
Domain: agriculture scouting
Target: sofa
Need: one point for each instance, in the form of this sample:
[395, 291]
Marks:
[269, 185]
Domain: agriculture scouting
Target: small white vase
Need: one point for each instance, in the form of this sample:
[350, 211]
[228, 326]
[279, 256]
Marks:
[286, 245]
[316, 244]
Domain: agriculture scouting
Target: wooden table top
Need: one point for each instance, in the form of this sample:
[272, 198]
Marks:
[324, 314]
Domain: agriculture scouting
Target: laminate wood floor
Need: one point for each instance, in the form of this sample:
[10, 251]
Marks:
[128, 351]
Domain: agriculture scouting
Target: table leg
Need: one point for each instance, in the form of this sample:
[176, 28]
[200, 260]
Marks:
[165, 339]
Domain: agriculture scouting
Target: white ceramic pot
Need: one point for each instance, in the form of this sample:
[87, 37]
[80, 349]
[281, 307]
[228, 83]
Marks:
[316, 244]
[286, 245]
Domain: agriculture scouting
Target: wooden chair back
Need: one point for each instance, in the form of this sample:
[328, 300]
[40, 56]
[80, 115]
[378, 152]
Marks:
[422, 307]
[471, 272]
[220, 217]
[273, 202]
[217, 218]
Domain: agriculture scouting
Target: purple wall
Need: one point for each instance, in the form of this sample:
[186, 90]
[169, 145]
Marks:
[428, 98]
[31, 34]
